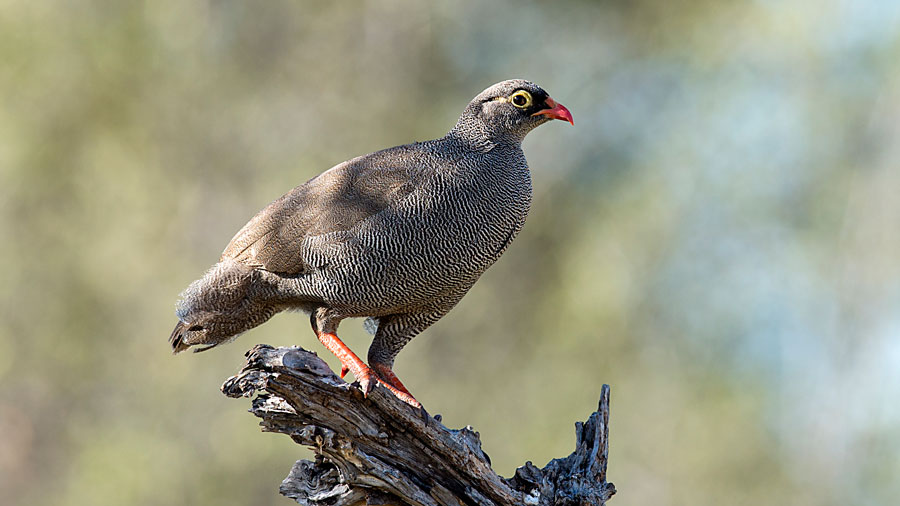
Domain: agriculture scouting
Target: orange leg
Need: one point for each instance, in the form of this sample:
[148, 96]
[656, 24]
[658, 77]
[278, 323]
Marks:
[349, 361]
[390, 380]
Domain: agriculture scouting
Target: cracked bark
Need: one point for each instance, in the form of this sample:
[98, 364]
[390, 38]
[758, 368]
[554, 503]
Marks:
[379, 450]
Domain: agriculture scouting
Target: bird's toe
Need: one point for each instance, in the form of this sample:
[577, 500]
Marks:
[367, 380]
[390, 381]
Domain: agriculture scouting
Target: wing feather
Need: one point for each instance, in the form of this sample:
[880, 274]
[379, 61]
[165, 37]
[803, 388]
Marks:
[336, 200]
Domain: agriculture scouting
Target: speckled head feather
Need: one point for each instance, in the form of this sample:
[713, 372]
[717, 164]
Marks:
[397, 236]
[492, 114]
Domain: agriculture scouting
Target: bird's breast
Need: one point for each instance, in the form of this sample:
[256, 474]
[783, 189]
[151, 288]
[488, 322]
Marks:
[477, 217]
[431, 246]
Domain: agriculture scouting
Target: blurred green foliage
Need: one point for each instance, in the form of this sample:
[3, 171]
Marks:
[717, 237]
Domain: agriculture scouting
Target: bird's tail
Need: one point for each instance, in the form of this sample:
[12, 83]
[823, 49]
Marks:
[227, 301]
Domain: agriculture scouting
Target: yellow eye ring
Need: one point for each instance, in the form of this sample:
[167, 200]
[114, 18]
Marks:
[521, 99]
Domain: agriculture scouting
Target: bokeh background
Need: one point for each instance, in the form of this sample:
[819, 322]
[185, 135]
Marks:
[718, 237]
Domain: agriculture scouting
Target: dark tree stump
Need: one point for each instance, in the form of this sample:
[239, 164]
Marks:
[379, 450]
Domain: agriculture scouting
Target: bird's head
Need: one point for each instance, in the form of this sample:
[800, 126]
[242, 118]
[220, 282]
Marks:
[510, 109]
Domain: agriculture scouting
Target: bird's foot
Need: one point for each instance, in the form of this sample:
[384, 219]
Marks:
[365, 376]
[366, 379]
[350, 362]
[390, 381]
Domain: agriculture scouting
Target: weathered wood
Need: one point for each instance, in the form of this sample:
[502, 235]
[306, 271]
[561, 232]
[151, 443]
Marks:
[379, 450]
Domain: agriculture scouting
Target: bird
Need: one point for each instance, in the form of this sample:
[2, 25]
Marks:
[397, 237]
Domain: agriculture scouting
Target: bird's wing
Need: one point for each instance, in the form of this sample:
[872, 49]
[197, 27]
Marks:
[334, 201]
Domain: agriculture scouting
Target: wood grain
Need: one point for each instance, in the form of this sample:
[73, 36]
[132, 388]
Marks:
[379, 450]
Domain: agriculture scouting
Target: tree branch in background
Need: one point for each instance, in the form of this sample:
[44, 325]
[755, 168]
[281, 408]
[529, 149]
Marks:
[379, 450]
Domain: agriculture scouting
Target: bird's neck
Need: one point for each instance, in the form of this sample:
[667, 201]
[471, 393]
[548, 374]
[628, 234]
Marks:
[472, 132]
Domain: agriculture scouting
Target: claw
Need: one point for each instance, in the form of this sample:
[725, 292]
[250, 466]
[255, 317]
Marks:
[344, 370]
[366, 379]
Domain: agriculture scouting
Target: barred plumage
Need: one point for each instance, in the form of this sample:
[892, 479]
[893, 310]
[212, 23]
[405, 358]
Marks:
[397, 236]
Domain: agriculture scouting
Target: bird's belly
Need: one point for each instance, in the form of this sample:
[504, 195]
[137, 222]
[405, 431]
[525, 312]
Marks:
[406, 261]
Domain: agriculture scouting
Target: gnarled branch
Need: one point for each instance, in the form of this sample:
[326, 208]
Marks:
[379, 450]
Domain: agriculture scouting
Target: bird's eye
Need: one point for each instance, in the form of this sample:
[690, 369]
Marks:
[521, 99]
